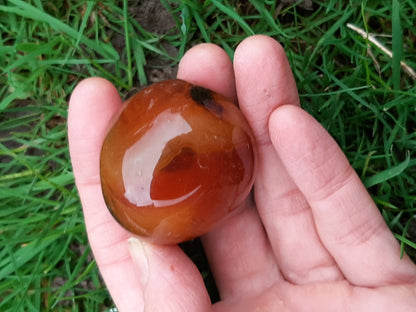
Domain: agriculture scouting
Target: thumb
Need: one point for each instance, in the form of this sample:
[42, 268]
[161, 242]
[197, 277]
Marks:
[171, 282]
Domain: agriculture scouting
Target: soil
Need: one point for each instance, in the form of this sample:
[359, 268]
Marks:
[155, 18]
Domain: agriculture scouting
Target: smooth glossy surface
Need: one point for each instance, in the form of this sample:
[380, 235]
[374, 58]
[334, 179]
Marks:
[179, 159]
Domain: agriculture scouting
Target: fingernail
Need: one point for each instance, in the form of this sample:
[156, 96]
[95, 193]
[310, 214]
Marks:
[139, 256]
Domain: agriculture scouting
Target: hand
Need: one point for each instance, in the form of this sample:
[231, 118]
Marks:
[314, 239]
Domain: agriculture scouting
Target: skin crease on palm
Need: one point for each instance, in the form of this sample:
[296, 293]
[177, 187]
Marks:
[309, 239]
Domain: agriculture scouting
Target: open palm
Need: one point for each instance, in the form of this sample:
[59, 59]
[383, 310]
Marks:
[311, 240]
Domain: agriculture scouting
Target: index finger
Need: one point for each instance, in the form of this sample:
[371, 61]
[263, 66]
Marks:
[241, 236]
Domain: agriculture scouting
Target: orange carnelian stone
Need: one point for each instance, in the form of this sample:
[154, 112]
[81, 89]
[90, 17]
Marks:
[179, 159]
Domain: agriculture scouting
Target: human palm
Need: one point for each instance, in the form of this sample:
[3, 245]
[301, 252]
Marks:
[310, 238]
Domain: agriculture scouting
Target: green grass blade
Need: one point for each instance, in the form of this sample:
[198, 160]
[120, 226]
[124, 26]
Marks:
[127, 37]
[84, 23]
[24, 255]
[24, 9]
[259, 5]
[331, 31]
[406, 241]
[231, 13]
[397, 44]
[387, 174]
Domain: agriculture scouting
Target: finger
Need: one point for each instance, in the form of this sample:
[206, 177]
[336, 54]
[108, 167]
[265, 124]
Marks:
[240, 255]
[348, 222]
[265, 82]
[325, 297]
[237, 249]
[171, 281]
[207, 65]
[93, 104]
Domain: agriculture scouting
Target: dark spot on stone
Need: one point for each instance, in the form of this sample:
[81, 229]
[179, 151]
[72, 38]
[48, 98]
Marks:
[204, 97]
[200, 94]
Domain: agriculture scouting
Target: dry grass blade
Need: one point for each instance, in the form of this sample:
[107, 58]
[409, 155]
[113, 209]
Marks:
[371, 38]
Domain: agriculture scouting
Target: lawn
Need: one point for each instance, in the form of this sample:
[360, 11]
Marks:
[363, 95]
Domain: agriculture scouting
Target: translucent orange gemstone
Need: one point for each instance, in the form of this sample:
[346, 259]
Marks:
[179, 159]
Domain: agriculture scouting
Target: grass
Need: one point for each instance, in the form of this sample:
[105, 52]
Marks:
[361, 95]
